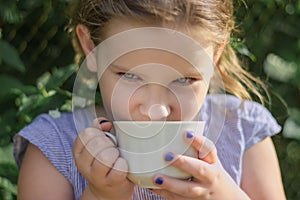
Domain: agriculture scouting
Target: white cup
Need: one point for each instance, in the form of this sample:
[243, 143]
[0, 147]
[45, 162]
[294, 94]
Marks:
[144, 145]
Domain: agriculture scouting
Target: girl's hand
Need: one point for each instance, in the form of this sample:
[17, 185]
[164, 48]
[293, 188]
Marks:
[97, 159]
[210, 181]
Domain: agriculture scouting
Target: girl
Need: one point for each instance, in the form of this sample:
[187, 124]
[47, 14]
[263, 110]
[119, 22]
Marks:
[67, 160]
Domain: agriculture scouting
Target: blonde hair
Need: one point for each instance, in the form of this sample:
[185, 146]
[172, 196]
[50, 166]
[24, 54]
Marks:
[213, 16]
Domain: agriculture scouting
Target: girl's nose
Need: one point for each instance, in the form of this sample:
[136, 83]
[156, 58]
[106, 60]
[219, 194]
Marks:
[158, 112]
[155, 102]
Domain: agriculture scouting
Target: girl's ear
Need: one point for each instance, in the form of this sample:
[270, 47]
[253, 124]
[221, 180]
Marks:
[87, 46]
[85, 40]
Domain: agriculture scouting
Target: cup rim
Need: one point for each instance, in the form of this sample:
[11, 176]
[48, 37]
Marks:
[157, 122]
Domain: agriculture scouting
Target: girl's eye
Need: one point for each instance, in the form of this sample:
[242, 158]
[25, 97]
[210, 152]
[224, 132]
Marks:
[129, 76]
[184, 81]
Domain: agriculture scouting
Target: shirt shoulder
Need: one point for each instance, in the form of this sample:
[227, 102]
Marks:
[234, 126]
[54, 136]
[249, 118]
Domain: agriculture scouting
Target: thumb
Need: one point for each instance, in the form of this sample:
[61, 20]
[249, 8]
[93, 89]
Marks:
[102, 123]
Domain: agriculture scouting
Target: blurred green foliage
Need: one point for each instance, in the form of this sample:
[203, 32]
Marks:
[36, 59]
[271, 30]
[37, 72]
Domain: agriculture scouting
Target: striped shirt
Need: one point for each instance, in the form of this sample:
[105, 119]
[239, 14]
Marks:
[232, 125]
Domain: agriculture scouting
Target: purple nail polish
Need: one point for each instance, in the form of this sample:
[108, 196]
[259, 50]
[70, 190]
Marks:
[159, 180]
[169, 156]
[189, 134]
[103, 121]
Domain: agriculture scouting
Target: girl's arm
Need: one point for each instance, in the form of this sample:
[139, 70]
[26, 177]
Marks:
[261, 174]
[39, 179]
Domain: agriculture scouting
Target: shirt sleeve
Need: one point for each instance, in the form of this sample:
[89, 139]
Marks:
[257, 123]
[45, 134]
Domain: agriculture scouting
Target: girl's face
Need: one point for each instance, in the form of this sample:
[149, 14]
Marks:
[153, 84]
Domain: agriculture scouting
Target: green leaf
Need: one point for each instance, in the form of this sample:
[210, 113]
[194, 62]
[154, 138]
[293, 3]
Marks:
[8, 186]
[8, 83]
[28, 103]
[43, 80]
[10, 171]
[10, 56]
[8, 127]
[6, 154]
[32, 105]
[278, 107]
[67, 106]
[241, 48]
[5, 195]
[25, 90]
[279, 69]
[59, 76]
[10, 13]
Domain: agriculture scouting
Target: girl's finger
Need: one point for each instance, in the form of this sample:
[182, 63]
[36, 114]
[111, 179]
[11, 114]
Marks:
[186, 189]
[103, 162]
[83, 138]
[96, 146]
[119, 171]
[167, 194]
[83, 159]
[107, 156]
[206, 149]
[200, 170]
[98, 168]
[97, 162]
[87, 145]
[106, 126]
[102, 123]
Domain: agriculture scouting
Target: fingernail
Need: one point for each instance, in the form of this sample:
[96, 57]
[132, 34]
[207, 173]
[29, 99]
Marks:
[159, 180]
[169, 156]
[189, 134]
[103, 121]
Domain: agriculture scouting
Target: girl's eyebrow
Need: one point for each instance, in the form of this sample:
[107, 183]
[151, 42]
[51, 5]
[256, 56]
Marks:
[119, 67]
[189, 71]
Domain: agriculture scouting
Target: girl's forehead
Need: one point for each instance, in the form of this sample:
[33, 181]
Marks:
[155, 56]
[161, 66]
[143, 56]
[118, 25]
[132, 43]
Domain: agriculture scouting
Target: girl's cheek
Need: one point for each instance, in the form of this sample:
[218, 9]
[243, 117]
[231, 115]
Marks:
[190, 102]
[189, 111]
[120, 106]
[120, 101]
